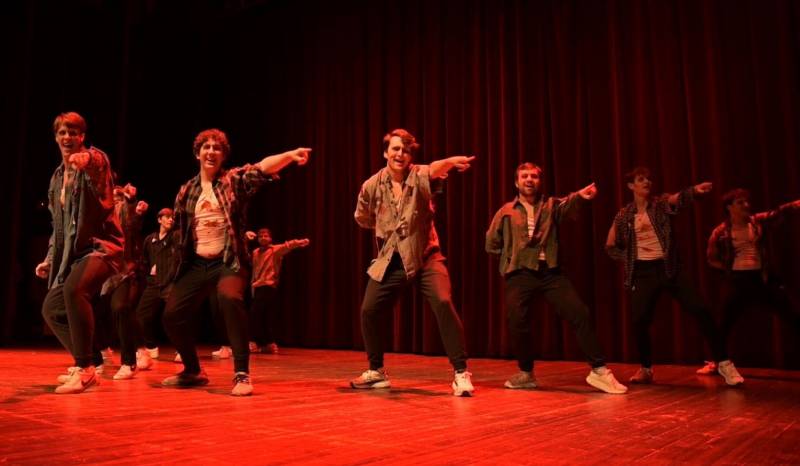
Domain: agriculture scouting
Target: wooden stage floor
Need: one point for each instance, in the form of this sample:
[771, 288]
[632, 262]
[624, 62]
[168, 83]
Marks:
[303, 412]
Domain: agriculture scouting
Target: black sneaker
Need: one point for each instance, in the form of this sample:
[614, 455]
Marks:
[183, 379]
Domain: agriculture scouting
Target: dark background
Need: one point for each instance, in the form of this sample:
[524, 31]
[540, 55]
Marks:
[696, 90]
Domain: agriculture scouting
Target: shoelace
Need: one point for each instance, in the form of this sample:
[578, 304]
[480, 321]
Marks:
[241, 378]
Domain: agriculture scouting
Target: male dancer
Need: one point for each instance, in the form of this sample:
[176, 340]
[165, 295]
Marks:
[85, 247]
[159, 262]
[642, 238]
[267, 260]
[524, 233]
[737, 247]
[210, 216]
[396, 203]
[120, 293]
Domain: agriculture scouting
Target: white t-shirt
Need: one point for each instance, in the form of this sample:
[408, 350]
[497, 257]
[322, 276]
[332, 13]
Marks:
[209, 226]
[648, 247]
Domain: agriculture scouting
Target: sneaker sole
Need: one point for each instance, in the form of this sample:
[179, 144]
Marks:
[464, 394]
[525, 386]
[384, 384]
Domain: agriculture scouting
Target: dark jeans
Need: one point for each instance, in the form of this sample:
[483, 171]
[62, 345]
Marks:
[380, 297]
[67, 308]
[262, 313]
[746, 289]
[522, 286]
[183, 311]
[122, 302]
[649, 281]
[153, 299]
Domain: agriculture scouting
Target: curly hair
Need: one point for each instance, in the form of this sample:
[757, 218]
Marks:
[214, 134]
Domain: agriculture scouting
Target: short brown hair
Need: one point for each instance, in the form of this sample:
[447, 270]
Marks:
[409, 141]
[732, 195]
[70, 120]
[527, 166]
[215, 134]
[631, 176]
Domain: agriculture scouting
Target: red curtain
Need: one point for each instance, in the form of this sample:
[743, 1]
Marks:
[696, 90]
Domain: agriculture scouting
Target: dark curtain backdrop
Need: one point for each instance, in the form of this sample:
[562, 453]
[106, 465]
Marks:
[696, 90]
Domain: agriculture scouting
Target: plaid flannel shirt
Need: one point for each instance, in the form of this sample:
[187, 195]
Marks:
[233, 188]
[660, 212]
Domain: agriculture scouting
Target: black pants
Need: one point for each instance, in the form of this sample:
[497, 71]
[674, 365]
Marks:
[121, 302]
[380, 297]
[153, 299]
[746, 289]
[262, 314]
[68, 311]
[521, 287]
[183, 311]
[649, 281]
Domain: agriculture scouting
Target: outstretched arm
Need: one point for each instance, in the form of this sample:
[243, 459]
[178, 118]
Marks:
[702, 188]
[774, 216]
[272, 164]
[440, 168]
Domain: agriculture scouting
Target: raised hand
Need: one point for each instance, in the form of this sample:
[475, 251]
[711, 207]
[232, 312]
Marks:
[79, 160]
[588, 192]
[141, 207]
[461, 162]
[300, 155]
[703, 188]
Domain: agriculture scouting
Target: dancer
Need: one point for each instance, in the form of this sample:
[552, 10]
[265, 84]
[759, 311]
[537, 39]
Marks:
[159, 262]
[525, 234]
[396, 203]
[120, 293]
[641, 237]
[737, 247]
[209, 216]
[85, 247]
[267, 260]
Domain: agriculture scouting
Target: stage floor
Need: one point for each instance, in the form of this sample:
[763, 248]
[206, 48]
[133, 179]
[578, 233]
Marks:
[303, 412]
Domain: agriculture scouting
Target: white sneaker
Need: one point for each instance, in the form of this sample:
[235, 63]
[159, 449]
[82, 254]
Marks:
[462, 386]
[178, 358]
[242, 385]
[108, 354]
[153, 352]
[709, 369]
[602, 379]
[63, 378]
[224, 352]
[79, 381]
[253, 346]
[728, 371]
[372, 379]
[126, 372]
[143, 360]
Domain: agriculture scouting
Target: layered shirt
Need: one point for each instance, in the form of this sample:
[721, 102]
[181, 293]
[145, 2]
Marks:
[232, 189]
[85, 223]
[522, 247]
[659, 212]
[403, 225]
